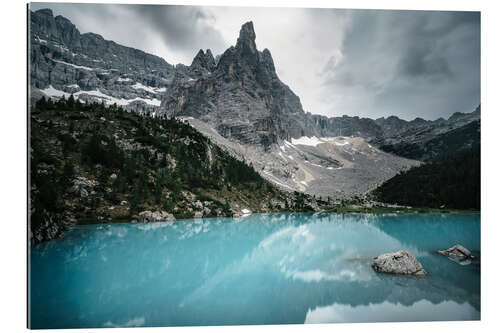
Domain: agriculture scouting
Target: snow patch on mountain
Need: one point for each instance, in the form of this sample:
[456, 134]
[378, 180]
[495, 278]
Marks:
[109, 100]
[314, 141]
[73, 65]
[307, 141]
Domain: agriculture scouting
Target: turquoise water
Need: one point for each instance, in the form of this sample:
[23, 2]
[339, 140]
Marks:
[261, 269]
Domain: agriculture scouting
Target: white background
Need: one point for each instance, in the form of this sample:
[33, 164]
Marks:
[13, 130]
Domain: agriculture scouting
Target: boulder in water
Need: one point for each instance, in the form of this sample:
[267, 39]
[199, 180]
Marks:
[401, 262]
[456, 251]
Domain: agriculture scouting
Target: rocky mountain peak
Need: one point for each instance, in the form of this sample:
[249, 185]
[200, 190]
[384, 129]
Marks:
[43, 23]
[247, 33]
[45, 12]
[242, 98]
[463, 118]
[204, 60]
[267, 59]
[246, 40]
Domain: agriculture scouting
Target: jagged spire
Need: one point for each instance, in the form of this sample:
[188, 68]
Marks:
[247, 32]
[246, 40]
[267, 59]
[205, 60]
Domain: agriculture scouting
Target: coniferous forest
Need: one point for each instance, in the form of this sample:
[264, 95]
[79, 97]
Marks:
[450, 181]
[92, 163]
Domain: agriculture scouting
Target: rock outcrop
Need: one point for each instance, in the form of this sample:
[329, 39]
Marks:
[82, 186]
[401, 262]
[456, 251]
[48, 230]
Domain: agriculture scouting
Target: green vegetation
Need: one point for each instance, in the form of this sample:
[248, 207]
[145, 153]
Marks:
[450, 181]
[91, 163]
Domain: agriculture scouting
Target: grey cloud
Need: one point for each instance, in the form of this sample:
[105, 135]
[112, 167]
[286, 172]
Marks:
[423, 56]
[408, 63]
[182, 30]
[423, 60]
[182, 27]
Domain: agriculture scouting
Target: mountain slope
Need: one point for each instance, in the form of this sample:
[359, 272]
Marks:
[425, 140]
[238, 100]
[243, 106]
[433, 146]
[337, 167]
[90, 163]
[65, 62]
[450, 176]
[240, 94]
[452, 181]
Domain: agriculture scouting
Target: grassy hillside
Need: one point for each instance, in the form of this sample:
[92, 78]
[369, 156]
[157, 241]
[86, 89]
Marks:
[92, 164]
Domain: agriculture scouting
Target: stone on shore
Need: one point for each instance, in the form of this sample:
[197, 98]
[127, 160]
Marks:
[401, 262]
[159, 216]
[456, 251]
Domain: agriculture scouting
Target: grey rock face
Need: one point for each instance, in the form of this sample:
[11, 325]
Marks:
[203, 61]
[392, 125]
[401, 262]
[241, 97]
[347, 126]
[457, 251]
[64, 62]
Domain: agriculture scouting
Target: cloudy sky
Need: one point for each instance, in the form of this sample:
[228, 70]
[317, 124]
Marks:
[369, 63]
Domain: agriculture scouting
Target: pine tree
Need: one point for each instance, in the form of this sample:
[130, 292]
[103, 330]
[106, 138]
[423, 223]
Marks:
[71, 102]
[68, 174]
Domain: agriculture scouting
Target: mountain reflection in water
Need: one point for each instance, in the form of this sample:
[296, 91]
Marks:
[261, 269]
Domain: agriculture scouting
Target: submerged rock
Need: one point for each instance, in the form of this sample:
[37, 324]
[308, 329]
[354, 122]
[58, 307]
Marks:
[456, 251]
[401, 262]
